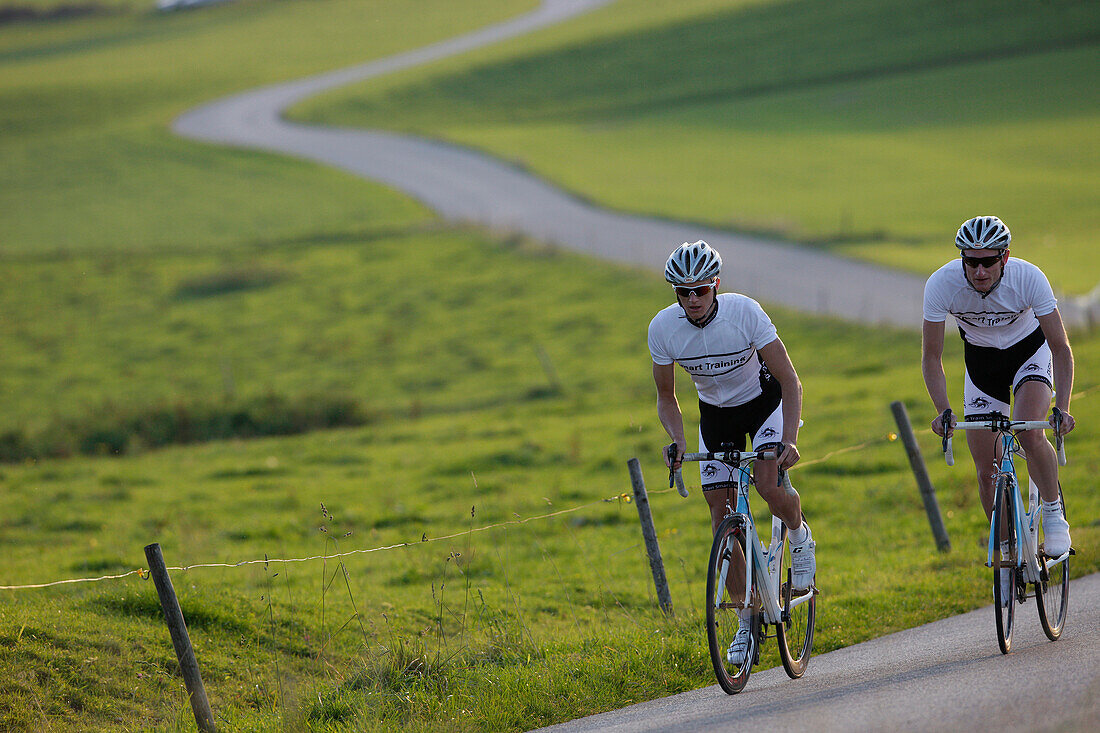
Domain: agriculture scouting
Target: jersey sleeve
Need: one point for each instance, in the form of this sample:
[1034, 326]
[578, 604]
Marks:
[1040, 294]
[657, 347]
[760, 327]
[935, 304]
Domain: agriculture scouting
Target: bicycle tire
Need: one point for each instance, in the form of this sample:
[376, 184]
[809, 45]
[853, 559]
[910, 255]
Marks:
[722, 618]
[1004, 609]
[1052, 590]
[795, 632]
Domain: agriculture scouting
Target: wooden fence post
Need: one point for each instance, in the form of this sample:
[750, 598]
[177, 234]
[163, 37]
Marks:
[916, 461]
[656, 564]
[177, 627]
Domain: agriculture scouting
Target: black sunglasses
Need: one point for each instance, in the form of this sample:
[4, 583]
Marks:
[698, 291]
[985, 262]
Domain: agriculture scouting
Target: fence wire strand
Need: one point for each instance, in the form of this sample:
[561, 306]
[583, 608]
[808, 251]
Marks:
[143, 573]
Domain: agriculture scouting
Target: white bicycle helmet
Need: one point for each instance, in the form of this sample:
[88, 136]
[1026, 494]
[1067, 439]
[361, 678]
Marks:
[983, 232]
[692, 263]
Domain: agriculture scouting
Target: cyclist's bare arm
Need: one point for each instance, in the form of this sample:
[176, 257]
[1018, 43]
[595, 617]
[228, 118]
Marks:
[777, 360]
[668, 407]
[1062, 356]
[931, 364]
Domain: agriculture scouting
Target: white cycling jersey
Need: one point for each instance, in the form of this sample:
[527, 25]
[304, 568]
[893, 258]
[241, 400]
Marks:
[721, 357]
[1001, 317]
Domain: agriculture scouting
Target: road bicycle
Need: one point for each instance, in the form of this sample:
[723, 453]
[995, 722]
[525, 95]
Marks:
[766, 591]
[1026, 560]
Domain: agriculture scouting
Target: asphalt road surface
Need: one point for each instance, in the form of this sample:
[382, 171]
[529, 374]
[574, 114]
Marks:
[945, 676]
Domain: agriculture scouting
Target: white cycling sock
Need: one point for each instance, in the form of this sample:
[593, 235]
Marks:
[1052, 507]
[798, 536]
[743, 618]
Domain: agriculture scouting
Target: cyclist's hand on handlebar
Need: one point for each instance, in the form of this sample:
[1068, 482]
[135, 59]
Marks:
[1068, 423]
[789, 456]
[673, 452]
[938, 426]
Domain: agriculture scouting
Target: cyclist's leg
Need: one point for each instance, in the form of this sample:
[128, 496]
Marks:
[982, 396]
[1031, 401]
[983, 449]
[1033, 393]
[718, 480]
[784, 503]
[716, 477]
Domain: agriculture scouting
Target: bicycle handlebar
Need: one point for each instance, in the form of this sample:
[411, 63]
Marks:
[733, 456]
[729, 456]
[999, 424]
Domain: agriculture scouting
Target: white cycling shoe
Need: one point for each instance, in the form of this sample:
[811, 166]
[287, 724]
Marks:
[803, 561]
[739, 647]
[1055, 534]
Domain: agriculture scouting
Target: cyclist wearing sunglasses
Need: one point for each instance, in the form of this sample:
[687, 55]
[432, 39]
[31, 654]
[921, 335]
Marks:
[1015, 350]
[747, 388]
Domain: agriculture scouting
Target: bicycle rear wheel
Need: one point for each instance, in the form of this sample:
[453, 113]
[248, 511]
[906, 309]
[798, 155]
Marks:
[1052, 590]
[795, 632]
[729, 549]
[1004, 595]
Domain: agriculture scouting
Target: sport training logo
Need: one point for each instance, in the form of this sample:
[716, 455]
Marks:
[710, 471]
[1033, 367]
[980, 402]
[767, 433]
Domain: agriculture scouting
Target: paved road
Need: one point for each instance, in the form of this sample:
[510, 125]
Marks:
[945, 676]
[463, 185]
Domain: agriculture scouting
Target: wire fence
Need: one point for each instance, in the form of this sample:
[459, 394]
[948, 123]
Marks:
[623, 497]
[424, 539]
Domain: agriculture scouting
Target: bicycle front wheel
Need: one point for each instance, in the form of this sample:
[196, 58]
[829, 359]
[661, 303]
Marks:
[1052, 590]
[795, 632]
[727, 559]
[1004, 564]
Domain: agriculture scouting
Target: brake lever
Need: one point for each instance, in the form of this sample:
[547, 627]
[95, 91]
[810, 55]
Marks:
[1058, 437]
[948, 454]
[674, 477]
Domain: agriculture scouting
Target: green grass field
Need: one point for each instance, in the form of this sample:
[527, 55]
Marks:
[873, 128]
[562, 607]
[89, 162]
[502, 386]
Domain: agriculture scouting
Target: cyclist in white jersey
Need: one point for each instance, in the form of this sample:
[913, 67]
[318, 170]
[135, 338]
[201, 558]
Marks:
[747, 387]
[1015, 349]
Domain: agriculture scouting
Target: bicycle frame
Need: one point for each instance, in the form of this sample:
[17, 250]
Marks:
[761, 564]
[1027, 537]
[1027, 543]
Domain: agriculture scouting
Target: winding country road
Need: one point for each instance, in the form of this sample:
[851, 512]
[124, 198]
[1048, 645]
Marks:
[466, 186]
[462, 185]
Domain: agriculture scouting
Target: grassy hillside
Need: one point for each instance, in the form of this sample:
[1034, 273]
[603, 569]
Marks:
[499, 386]
[873, 128]
[90, 166]
[522, 625]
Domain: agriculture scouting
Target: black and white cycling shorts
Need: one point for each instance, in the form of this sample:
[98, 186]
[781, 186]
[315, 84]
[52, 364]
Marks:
[993, 375]
[760, 419]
